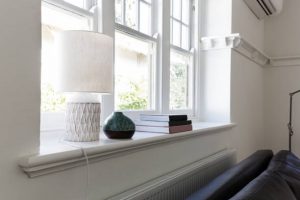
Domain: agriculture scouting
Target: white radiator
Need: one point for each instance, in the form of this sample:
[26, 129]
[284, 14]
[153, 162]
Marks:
[182, 182]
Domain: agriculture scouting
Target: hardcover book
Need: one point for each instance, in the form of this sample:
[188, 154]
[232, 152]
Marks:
[168, 130]
[162, 124]
[163, 118]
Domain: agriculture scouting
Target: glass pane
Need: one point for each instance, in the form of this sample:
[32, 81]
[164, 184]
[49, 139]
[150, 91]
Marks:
[133, 73]
[131, 14]
[186, 11]
[145, 18]
[177, 9]
[78, 3]
[53, 21]
[119, 11]
[62, 19]
[176, 33]
[149, 1]
[185, 37]
[179, 95]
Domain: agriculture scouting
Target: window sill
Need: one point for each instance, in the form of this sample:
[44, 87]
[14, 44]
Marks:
[57, 155]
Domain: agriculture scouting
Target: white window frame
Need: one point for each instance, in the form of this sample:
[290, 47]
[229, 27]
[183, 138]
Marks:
[54, 121]
[160, 27]
[153, 37]
[138, 15]
[162, 37]
[192, 53]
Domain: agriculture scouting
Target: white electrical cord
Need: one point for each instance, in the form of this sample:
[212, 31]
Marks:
[87, 165]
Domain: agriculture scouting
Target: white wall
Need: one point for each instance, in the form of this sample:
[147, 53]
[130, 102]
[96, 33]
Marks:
[279, 82]
[247, 84]
[216, 18]
[282, 40]
[19, 124]
[247, 105]
[232, 85]
[245, 23]
[282, 31]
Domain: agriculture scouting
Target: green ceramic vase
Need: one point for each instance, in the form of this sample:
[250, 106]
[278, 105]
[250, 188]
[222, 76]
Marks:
[118, 126]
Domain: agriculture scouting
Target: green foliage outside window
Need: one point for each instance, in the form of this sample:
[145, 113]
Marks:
[134, 99]
[51, 101]
[178, 86]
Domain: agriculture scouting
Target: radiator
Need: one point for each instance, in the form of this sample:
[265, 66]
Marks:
[179, 184]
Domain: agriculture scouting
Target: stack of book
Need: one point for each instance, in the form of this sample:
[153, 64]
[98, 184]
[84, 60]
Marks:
[163, 123]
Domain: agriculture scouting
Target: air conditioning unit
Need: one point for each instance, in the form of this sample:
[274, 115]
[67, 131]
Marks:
[264, 8]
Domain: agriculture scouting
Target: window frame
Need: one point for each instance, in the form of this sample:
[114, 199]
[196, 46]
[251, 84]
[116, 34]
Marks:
[189, 25]
[191, 82]
[160, 107]
[138, 15]
[134, 114]
[191, 51]
[143, 37]
[161, 35]
[54, 121]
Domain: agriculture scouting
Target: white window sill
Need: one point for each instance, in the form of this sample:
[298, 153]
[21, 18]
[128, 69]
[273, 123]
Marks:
[57, 155]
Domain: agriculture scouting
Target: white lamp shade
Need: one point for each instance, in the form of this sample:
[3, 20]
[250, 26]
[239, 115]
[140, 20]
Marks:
[85, 62]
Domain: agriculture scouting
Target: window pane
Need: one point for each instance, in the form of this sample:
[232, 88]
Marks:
[185, 38]
[119, 11]
[78, 3]
[179, 83]
[145, 18]
[176, 33]
[85, 4]
[131, 14]
[53, 21]
[185, 11]
[133, 73]
[176, 9]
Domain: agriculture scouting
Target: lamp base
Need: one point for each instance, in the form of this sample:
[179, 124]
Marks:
[82, 122]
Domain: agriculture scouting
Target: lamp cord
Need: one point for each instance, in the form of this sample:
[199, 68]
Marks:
[84, 153]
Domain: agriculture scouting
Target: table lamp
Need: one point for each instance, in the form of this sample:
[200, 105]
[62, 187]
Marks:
[85, 70]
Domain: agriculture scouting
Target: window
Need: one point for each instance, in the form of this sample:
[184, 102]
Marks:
[85, 4]
[135, 14]
[154, 68]
[181, 59]
[58, 16]
[136, 62]
[180, 81]
[134, 73]
[181, 11]
[55, 19]
[135, 51]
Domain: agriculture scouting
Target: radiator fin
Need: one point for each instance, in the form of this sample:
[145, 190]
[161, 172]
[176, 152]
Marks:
[184, 182]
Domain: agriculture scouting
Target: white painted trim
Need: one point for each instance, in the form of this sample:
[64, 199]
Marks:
[38, 165]
[70, 7]
[220, 42]
[285, 61]
[249, 51]
[245, 48]
[237, 43]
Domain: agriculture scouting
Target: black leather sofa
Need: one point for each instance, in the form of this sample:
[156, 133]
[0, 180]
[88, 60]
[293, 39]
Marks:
[261, 176]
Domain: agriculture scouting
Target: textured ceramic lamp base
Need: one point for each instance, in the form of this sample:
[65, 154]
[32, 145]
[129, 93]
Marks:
[82, 122]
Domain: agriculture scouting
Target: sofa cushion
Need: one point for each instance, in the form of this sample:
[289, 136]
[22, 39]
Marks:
[287, 165]
[233, 180]
[268, 186]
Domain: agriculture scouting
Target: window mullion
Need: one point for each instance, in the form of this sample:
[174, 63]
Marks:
[138, 15]
[165, 12]
[124, 12]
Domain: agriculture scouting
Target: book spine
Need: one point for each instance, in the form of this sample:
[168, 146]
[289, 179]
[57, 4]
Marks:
[162, 124]
[183, 128]
[178, 118]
